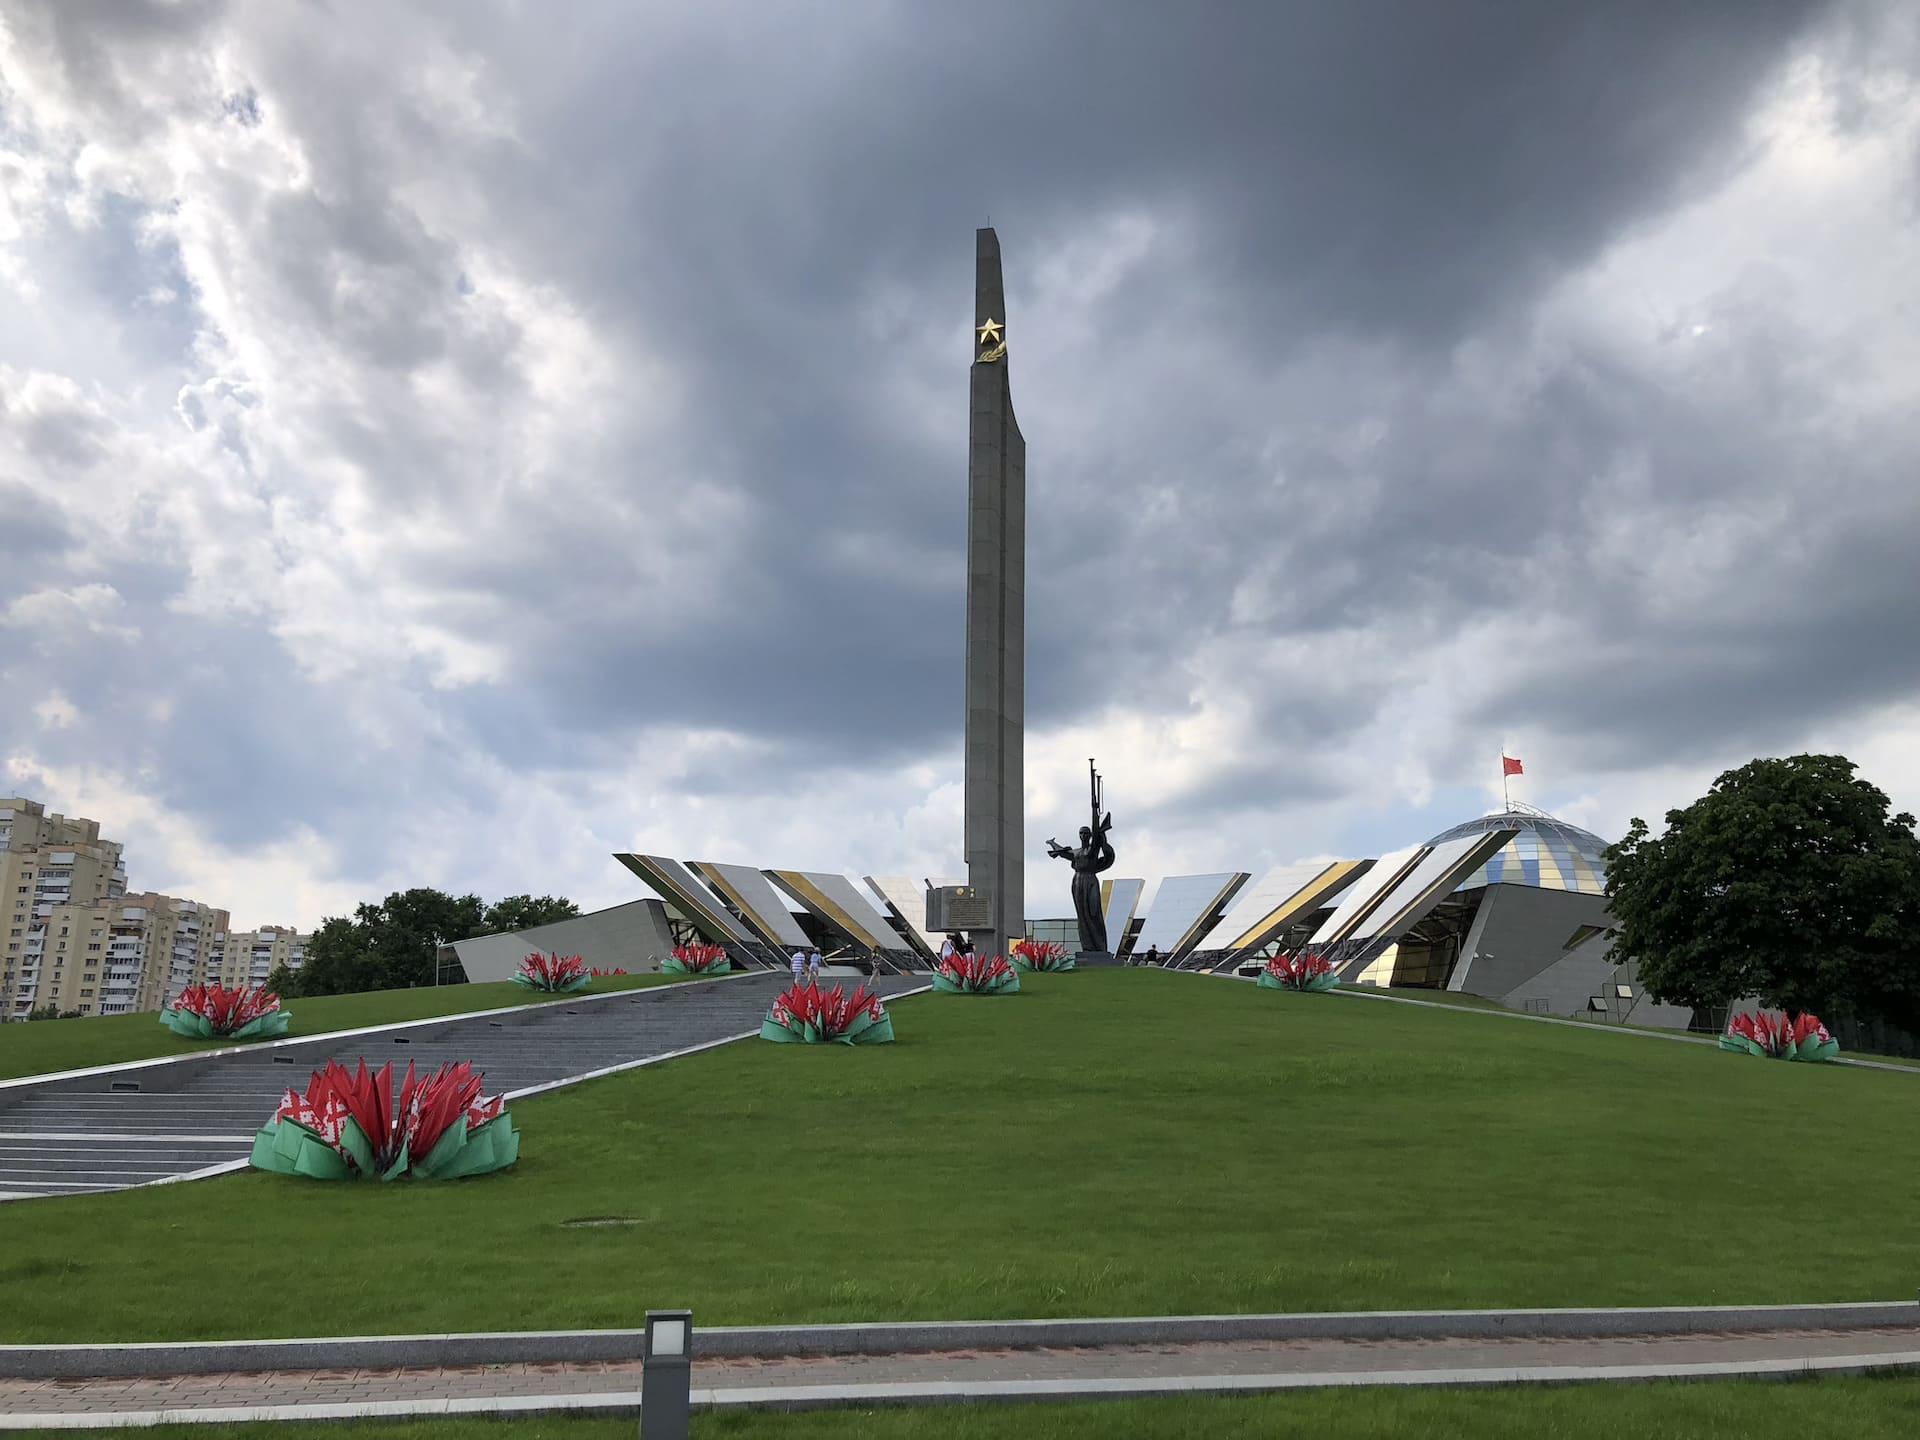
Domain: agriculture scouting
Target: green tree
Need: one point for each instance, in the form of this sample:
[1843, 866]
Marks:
[1788, 880]
[339, 960]
[280, 980]
[395, 942]
[523, 912]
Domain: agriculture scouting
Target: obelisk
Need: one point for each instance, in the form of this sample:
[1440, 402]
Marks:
[996, 615]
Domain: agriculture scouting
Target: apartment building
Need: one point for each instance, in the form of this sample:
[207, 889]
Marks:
[49, 863]
[247, 957]
[75, 939]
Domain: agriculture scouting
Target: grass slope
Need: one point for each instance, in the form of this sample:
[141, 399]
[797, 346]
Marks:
[1861, 1409]
[41, 1046]
[1116, 1142]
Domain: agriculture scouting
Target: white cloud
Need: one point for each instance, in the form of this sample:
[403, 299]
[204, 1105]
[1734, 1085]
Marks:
[423, 484]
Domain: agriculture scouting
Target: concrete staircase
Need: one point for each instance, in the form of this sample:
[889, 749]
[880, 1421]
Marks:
[156, 1120]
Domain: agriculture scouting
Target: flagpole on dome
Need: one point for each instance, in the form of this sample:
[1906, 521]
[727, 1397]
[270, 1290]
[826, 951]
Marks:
[1508, 767]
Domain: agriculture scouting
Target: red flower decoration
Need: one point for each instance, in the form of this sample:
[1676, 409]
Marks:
[830, 1012]
[226, 1010]
[409, 1125]
[977, 973]
[698, 959]
[553, 972]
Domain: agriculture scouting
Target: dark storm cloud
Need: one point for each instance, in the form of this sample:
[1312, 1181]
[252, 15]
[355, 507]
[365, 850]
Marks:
[1399, 173]
[1262, 436]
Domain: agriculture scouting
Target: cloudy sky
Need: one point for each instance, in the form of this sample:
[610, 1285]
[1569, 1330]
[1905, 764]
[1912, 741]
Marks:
[445, 444]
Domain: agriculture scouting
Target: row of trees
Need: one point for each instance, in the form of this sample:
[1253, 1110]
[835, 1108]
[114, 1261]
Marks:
[396, 942]
[1789, 880]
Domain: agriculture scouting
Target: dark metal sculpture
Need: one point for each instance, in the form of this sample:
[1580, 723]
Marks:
[1092, 856]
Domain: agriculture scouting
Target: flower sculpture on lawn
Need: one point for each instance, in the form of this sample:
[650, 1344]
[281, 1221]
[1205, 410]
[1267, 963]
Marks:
[807, 1015]
[1306, 971]
[976, 975]
[1776, 1037]
[206, 1012]
[697, 960]
[1041, 955]
[350, 1126]
[558, 974]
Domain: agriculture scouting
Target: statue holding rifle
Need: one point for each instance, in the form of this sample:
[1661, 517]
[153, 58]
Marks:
[1092, 856]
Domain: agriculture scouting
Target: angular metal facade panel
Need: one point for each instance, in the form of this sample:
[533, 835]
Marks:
[837, 900]
[754, 896]
[1182, 907]
[1426, 885]
[905, 899]
[1276, 899]
[1365, 893]
[996, 615]
[1519, 933]
[632, 937]
[688, 894]
[1121, 901]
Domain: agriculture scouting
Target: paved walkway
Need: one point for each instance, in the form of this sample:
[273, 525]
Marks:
[956, 1374]
[138, 1124]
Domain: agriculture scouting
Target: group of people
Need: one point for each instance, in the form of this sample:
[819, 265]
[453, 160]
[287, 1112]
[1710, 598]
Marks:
[806, 966]
[955, 944]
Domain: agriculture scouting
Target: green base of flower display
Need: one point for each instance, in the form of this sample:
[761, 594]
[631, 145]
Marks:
[198, 1027]
[284, 1148]
[671, 966]
[865, 1032]
[1317, 985]
[1049, 967]
[1007, 985]
[574, 987]
[1807, 1050]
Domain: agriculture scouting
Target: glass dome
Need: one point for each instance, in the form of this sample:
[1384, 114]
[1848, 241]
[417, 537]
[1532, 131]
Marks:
[1548, 853]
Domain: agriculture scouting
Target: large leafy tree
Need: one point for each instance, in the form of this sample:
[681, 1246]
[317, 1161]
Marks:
[395, 942]
[523, 912]
[1788, 880]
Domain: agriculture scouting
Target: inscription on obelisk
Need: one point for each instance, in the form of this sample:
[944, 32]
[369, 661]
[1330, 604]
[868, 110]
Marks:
[996, 613]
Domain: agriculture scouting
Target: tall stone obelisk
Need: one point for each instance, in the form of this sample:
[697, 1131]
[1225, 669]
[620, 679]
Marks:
[996, 614]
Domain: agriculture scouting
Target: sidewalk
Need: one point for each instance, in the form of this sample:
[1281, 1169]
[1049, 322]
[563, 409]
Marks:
[1038, 1373]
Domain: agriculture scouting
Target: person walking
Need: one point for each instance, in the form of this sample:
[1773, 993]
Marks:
[799, 966]
[813, 966]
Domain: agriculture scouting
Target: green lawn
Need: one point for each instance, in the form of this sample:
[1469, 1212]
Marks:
[40, 1046]
[1120, 1142]
[1858, 1409]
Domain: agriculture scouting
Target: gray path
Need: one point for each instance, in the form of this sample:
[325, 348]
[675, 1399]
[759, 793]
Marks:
[1056, 1373]
[193, 1114]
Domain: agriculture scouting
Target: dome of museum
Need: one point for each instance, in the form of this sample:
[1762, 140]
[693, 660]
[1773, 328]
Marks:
[1547, 853]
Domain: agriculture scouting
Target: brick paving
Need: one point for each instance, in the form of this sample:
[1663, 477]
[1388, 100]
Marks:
[739, 1376]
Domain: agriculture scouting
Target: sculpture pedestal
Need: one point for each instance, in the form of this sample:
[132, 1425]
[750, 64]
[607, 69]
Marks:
[1089, 959]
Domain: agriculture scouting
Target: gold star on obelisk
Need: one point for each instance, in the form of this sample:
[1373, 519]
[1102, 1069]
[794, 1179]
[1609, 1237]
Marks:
[990, 332]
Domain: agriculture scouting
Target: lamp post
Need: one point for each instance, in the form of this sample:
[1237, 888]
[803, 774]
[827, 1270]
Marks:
[666, 1375]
